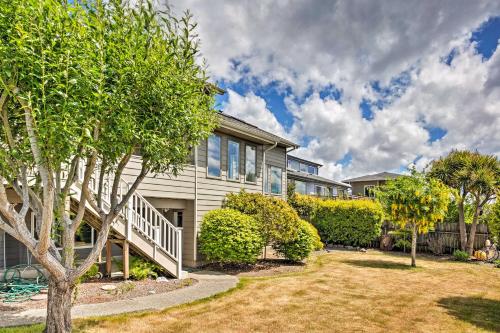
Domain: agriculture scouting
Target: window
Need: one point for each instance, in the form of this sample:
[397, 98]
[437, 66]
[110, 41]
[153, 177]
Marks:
[369, 191]
[213, 152]
[293, 165]
[312, 170]
[250, 162]
[178, 219]
[274, 180]
[300, 187]
[334, 191]
[310, 188]
[233, 160]
[303, 167]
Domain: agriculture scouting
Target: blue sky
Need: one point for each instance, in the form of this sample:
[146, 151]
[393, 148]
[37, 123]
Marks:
[362, 87]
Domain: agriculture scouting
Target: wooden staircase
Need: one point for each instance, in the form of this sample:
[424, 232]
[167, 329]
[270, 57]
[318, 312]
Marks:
[145, 229]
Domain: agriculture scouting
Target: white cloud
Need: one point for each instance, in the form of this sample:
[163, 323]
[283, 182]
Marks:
[252, 109]
[307, 46]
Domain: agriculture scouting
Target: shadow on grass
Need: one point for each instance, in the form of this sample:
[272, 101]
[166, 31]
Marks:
[481, 312]
[377, 264]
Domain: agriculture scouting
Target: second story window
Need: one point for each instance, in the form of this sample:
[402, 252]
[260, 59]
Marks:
[293, 165]
[250, 164]
[300, 187]
[213, 153]
[313, 170]
[233, 160]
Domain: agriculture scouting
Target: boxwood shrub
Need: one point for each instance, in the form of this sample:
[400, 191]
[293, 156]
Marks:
[348, 222]
[307, 240]
[229, 236]
[278, 221]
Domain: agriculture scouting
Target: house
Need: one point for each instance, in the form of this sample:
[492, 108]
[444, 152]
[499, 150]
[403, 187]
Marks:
[164, 216]
[304, 175]
[363, 185]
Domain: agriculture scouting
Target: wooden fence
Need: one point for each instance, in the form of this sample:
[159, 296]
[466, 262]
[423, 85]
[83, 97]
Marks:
[444, 239]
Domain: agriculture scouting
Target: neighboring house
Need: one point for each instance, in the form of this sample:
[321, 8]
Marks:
[166, 212]
[364, 185]
[304, 175]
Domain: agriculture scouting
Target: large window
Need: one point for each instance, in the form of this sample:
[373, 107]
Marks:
[293, 165]
[313, 170]
[303, 167]
[300, 187]
[250, 164]
[233, 160]
[275, 180]
[310, 189]
[213, 160]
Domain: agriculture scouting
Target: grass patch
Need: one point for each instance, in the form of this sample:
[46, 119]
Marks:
[384, 264]
[481, 312]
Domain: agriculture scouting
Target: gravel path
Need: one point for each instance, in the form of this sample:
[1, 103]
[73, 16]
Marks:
[209, 284]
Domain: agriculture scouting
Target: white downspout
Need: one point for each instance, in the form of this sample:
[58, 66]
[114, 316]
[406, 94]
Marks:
[264, 173]
[195, 233]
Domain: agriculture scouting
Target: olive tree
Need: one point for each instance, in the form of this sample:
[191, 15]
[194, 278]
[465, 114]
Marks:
[474, 177]
[93, 83]
[414, 201]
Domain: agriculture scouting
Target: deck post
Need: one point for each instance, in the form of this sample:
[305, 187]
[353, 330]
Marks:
[108, 258]
[126, 271]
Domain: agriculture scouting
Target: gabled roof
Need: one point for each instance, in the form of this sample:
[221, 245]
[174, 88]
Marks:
[373, 177]
[308, 177]
[231, 123]
[304, 160]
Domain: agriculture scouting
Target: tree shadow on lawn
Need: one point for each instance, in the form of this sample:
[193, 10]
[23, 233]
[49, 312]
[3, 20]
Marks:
[481, 312]
[377, 264]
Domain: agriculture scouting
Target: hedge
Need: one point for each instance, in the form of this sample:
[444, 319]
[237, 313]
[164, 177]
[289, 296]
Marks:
[304, 205]
[229, 236]
[307, 240]
[348, 222]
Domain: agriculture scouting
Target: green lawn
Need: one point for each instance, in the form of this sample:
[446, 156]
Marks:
[338, 292]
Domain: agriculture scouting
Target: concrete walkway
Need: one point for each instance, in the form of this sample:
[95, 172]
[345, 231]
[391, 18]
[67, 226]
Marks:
[209, 284]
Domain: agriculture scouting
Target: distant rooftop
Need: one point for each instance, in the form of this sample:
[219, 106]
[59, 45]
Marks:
[304, 160]
[373, 177]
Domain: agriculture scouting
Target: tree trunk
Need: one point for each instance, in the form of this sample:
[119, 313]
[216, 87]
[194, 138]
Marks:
[414, 246]
[461, 224]
[472, 234]
[59, 307]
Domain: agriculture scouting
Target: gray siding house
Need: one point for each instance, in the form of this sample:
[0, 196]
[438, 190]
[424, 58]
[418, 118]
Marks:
[303, 174]
[166, 213]
[363, 185]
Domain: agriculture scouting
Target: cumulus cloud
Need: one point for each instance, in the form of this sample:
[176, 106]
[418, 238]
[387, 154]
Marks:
[304, 47]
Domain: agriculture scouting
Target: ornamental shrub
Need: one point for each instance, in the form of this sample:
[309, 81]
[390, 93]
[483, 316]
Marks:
[307, 240]
[140, 268]
[278, 221]
[459, 255]
[228, 236]
[348, 222]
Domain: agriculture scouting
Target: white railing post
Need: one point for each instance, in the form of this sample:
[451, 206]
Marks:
[130, 217]
[179, 253]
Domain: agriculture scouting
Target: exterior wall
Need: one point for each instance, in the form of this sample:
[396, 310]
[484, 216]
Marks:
[358, 188]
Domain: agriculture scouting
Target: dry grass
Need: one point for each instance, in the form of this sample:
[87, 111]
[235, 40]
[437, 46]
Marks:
[340, 292]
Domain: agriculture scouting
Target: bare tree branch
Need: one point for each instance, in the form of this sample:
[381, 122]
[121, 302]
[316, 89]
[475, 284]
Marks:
[117, 178]
[132, 189]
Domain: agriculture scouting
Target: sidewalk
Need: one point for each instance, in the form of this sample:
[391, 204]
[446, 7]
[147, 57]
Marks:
[209, 284]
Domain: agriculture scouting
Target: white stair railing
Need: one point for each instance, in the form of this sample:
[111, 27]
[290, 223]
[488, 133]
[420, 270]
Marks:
[139, 215]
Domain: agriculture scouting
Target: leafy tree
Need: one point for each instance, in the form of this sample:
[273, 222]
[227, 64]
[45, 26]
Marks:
[473, 177]
[94, 82]
[414, 201]
[492, 218]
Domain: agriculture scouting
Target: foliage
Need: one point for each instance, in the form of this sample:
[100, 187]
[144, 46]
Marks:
[460, 255]
[492, 218]
[140, 268]
[304, 205]
[278, 221]
[90, 274]
[348, 222]
[416, 201]
[472, 176]
[497, 263]
[229, 236]
[401, 238]
[306, 241]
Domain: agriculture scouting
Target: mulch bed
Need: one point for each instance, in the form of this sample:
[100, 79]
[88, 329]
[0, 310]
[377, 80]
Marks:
[90, 292]
[263, 267]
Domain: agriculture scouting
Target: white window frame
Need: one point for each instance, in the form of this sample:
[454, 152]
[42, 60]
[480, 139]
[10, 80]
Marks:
[237, 179]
